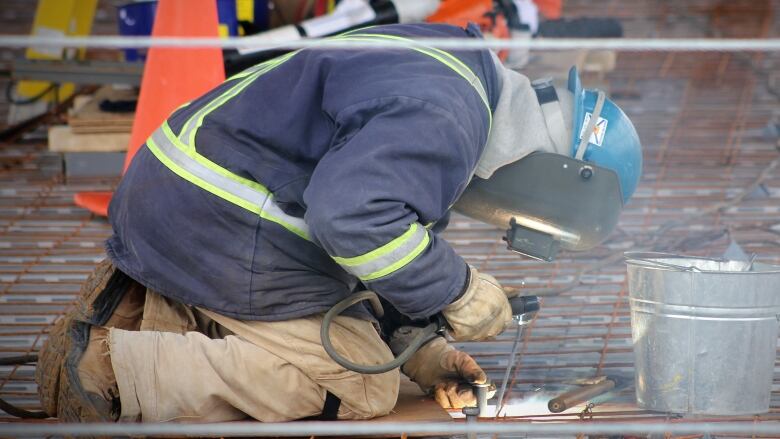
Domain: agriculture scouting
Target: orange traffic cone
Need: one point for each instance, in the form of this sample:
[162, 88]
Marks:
[172, 76]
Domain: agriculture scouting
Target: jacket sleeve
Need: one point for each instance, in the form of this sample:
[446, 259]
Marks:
[396, 165]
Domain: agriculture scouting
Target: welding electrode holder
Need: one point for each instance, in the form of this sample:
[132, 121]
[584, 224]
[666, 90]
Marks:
[520, 305]
[481, 393]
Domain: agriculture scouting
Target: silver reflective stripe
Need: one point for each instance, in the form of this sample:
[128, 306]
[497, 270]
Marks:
[250, 198]
[185, 133]
[370, 267]
[271, 211]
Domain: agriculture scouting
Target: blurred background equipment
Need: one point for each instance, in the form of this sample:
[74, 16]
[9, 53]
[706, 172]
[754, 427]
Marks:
[53, 18]
[172, 77]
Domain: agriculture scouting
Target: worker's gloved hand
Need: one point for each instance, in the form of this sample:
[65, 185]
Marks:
[446, 373]
[483, 311]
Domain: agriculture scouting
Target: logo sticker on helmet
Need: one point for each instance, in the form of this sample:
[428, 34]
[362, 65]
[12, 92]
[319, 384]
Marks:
[597, 136]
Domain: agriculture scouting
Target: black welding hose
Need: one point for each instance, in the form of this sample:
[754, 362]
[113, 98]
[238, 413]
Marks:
[415, 344]
[16, 361]
[21, 413]
[10, 408]
[9, 95]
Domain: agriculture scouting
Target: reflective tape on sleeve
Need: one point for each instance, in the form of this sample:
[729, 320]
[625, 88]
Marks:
[207, 175]
[389, 258]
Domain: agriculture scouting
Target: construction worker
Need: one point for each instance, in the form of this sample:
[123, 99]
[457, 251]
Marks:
[255, 208]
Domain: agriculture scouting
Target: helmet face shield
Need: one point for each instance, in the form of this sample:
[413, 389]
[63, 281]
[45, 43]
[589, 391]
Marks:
[570, 200]
[547, 202]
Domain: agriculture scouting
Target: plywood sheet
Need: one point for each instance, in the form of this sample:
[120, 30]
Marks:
[63, 139]
[415, 406]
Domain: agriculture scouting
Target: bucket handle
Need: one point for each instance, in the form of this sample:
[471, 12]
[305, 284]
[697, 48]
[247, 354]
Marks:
[644, 257]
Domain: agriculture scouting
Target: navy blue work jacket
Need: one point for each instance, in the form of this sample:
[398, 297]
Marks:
[360, 144]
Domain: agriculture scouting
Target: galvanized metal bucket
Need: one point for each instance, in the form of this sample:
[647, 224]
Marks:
[705, 333]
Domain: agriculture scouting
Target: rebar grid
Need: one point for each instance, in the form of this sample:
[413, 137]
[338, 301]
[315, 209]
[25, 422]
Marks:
[701, 118]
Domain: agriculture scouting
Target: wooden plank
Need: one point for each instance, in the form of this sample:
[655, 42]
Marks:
[412, 406]
[63, 139]
[79, 102]
[89, 119]
[415, 406]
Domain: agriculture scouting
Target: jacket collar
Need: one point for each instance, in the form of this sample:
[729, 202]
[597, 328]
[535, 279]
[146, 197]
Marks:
[518, 123]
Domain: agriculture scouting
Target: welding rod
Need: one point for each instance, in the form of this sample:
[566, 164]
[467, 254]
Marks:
[578, 396]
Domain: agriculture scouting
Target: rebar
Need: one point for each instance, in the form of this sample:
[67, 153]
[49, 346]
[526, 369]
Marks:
[700, 116]
[253, 42]
[362, 428]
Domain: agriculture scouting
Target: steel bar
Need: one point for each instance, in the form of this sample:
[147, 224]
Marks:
[360, 428]
[481, 391]
[78, 72]
[622, 44]
[701, 117]
[509, 366]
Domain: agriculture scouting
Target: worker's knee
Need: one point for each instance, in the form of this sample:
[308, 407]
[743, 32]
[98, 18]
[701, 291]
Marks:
[369, 396]
[385, 393]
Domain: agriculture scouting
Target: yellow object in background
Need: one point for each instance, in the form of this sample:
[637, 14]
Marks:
[245, 10]
[57, 18]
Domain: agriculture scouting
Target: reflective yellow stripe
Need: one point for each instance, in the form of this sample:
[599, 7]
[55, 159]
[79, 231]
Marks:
[262, 65]
[396, 254]
[190, 128]
[389, 257]
[208, 163]
[179, 154]
[401, 263]
[203, 184]
[444, 57]
[218, 181]
[350, 32]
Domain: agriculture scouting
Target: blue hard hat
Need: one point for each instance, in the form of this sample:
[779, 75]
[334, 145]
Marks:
[614, 143]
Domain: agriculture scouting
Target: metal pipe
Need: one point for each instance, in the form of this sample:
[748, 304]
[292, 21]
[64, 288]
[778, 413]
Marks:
[578, 396]
[361, 428]
[481, 392]
[472, 413]
[628, 44]
[510, 364]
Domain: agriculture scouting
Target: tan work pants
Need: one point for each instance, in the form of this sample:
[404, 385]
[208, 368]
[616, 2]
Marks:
[190, 364]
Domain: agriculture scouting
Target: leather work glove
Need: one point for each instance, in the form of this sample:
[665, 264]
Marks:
[447, 373]
[483, 311]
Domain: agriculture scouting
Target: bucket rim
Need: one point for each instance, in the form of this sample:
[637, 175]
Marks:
[647, 259]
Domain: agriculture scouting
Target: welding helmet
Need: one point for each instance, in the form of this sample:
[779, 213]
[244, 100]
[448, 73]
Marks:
[571, 200]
